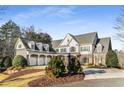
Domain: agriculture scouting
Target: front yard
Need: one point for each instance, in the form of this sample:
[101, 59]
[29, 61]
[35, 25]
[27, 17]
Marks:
[90, 73]
[21, 81]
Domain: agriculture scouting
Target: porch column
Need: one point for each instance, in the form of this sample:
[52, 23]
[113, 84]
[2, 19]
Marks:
[46, 60]
[38, 60]
[29, 57]
[66, 59]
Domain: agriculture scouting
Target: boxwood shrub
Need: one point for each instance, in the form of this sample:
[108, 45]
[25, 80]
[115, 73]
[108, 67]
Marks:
[19, 61]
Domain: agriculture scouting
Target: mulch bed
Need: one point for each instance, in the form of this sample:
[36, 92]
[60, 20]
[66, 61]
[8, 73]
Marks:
[47, 81]
[20, 73]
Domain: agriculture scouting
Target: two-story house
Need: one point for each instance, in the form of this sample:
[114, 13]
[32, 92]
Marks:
[90, 48]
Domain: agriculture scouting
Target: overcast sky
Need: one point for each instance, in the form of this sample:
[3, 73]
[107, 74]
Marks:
[60, 20]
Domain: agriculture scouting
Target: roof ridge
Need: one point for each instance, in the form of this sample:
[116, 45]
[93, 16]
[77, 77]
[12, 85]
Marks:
[85, 34]
[105, 38]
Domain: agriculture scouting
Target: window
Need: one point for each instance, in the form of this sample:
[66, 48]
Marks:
[99, 48]
[57, 50]
[85, 48]
[19, 46]
[85, 60]
[72, 49]
[32, 47]
[63, 50]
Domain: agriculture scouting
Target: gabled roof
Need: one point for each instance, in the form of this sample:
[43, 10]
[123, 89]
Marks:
[25, 42]
[105, 42]
[87, 38]
[55, 43]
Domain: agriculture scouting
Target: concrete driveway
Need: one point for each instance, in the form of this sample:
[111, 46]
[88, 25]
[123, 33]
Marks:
[94, 73]
[115, 82]
[100, 78]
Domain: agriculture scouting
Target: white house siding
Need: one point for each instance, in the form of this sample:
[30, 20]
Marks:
[22, 52]
[100, 59]
[86, 52]
[73, 43]
[65, 41]
[69, 42]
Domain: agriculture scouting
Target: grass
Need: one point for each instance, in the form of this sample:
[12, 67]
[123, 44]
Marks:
[35, 67]
[22, 81]
[3, 76]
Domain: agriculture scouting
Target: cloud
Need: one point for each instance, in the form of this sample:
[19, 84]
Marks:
[47, 11]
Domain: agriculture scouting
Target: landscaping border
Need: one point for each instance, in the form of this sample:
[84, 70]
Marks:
[51, 81]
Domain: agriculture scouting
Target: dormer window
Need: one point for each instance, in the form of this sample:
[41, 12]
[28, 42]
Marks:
[40, 46]
[32, 46]
[46, 47]
[99, 48]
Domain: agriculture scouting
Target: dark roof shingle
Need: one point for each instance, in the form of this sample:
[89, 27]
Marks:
[87, 38]
[105, 42]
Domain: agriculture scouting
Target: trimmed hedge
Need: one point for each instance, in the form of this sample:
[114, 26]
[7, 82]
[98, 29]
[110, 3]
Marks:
[112, 59]
[19, 61]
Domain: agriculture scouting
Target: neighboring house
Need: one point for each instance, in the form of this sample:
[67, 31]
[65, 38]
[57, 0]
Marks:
[89, 47]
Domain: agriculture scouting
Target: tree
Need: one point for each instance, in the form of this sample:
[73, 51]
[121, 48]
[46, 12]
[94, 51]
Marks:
[56, 67]
[74, 66]
[8, 35]
[112, 59]
[120, 26]
[6, 62]
[38, 36]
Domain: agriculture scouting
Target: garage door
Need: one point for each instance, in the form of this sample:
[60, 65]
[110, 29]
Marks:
[33, 61]
[41, 60]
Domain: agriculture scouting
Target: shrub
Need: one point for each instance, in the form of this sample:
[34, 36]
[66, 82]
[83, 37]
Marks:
[74, 66]
[112, 59]
[19, 61]
[6, 62]
[78, 68]
[55, 67]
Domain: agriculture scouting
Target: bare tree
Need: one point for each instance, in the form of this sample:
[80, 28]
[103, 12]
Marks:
[120, 26]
